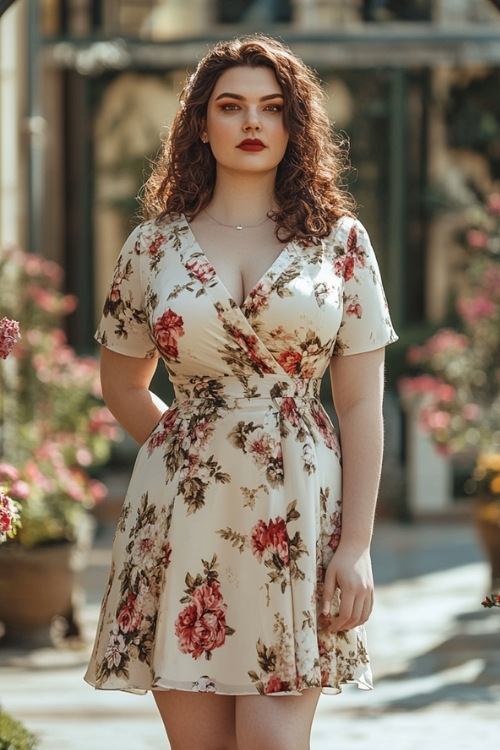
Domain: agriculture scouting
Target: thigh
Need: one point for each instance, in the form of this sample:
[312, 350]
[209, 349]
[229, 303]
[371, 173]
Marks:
[197, 720]
[275, 722]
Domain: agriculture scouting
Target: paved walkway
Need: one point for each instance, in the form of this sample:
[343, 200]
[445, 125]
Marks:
[435, 654]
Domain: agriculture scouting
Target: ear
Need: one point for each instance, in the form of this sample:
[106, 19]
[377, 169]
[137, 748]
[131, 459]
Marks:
[204, 136]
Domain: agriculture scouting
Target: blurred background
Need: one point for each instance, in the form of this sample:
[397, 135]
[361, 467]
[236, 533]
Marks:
[87, 89]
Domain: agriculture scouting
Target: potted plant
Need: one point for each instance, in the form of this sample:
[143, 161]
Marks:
[54, 431]
[456, 385]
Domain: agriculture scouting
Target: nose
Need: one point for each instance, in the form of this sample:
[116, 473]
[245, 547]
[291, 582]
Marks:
[252, 121]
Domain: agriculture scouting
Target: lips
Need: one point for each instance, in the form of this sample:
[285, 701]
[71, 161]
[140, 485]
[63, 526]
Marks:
[251, 144]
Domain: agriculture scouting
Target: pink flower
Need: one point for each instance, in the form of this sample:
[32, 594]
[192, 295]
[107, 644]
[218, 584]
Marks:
[289, 410]
[167, 330]
[270, 538]
[9, 516]
[494, 204]
[129, 617]
[475, 308]
[9, 335]
[477, 239]
[201, 626]
[290, 361]
[275, 685]
[202, 269]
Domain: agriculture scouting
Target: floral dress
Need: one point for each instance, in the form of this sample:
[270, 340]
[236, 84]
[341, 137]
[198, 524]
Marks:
[233, 511]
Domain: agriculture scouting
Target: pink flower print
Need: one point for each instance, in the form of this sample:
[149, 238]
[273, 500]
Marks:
[278, 539]
[202, 269]
[270, 539]
[326, 429]
[259, 540]
[288, 408]
[167, 330]
[348, 268]
[158, 438]
[354, 308]
[249, 345]
[146, 548]
[201, 626]
[275, 685]
[290, 360]
[354, 250]
[130, 617]
[263, 447]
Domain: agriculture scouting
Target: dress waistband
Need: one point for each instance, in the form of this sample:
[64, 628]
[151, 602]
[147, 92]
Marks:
[247, 387]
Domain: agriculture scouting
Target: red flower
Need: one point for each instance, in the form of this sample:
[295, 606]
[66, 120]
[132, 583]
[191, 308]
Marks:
[201, 269]
[129, 618]
[167, 330]
[354, 308]
[289, 410]
[275, 685]
[271, 538]
[201, 626]
[290, 361]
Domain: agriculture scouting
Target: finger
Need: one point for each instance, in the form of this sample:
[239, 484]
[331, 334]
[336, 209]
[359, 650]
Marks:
[329, 589]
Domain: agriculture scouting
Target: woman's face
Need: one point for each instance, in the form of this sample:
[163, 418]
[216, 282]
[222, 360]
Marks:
[244, 125]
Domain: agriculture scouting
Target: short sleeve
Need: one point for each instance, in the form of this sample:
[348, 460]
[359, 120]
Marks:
[123, 327]
[366, 324]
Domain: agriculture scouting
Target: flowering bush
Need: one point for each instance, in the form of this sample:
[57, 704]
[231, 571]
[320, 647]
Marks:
[491, 601]
[457, 386]
[54, 427]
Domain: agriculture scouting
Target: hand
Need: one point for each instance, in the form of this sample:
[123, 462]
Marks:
[350, 571]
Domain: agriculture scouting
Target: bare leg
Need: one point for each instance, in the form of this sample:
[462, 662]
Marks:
[275, 722]
[197, 721]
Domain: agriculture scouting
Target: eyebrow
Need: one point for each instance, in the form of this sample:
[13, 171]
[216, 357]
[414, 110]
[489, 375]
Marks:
[240, 98]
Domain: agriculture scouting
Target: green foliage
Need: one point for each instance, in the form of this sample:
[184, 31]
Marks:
[14, 735]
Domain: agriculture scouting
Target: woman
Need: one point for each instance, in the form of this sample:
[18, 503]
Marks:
[233, 589]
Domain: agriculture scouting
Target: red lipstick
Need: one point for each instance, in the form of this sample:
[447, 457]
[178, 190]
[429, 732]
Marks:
[251, 144]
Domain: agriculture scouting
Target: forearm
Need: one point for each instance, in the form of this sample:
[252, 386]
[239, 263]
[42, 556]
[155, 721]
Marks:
[125, 386]
[361, 436]
[137, 410]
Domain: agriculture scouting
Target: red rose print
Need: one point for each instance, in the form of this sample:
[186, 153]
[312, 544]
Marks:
[259, 540]
[290, 361]
[167, 330]
[201, 269]
[278, 538]
[201, 626]
[275, 685]
[130, 617]
[249, 344]
[289, 410]
[354, 308]
[167, 422]
[271, 538]
[348, 268]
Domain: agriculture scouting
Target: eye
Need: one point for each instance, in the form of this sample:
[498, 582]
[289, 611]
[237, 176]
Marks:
[274, 108]
[230, 107]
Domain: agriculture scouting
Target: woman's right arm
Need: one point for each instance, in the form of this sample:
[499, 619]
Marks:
[125, 386]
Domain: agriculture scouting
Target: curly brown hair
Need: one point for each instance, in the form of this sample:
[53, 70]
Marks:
[308, 191]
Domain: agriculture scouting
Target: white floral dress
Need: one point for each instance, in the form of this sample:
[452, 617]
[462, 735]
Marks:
[234, 506]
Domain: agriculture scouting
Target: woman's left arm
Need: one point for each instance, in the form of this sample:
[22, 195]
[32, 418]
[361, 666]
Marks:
[357, 387]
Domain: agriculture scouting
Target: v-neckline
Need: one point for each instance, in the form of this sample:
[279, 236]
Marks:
[275, 266]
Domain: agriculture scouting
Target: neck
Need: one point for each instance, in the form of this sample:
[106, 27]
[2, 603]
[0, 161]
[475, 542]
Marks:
[237, 201]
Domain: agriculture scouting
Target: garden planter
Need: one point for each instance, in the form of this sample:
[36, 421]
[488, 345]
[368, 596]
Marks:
[38, 585]
[489, 534]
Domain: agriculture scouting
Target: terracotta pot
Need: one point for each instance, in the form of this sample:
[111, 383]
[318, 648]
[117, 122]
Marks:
[489, 534]
[39, 584]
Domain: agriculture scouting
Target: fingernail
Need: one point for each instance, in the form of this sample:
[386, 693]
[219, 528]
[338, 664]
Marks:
[326, 608]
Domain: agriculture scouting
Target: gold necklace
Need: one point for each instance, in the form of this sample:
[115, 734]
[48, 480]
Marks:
[239, 227]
